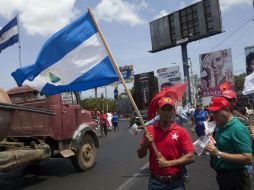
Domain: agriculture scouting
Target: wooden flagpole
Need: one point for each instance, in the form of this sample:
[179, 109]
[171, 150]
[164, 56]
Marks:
[121, 77]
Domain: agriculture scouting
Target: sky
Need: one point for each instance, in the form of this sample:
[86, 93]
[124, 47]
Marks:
[125, 25]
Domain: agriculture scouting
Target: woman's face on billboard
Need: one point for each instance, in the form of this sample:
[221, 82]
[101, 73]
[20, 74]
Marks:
[218, 62]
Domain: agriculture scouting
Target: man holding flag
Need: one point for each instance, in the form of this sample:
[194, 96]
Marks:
[174, 146]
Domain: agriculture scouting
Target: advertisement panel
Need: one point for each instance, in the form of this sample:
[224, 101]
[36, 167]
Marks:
[215, 68]
[127, 73]
[197, 21]
[168, 77]
[249, 57]
[143, 82]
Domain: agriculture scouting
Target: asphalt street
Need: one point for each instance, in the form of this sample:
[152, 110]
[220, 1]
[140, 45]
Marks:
[117, 168]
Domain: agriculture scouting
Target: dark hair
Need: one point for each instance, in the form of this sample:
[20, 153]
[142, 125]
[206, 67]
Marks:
[249, 59]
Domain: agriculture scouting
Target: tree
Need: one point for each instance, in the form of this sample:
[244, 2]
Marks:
[239, 82]
[98, 103]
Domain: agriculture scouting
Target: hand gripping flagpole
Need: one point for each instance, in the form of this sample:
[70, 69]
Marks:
[121, 78]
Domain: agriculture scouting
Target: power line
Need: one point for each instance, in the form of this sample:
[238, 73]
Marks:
[233, 33]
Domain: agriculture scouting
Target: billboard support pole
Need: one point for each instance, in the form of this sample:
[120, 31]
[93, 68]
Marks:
[186, 69]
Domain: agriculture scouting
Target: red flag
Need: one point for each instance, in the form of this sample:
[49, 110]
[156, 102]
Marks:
[224, 86]
[175, 92]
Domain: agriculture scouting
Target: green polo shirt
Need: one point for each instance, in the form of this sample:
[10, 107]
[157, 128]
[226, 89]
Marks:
[232, 138]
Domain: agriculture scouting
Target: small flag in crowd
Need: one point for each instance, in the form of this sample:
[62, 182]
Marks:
[9, 34]
[73, 59]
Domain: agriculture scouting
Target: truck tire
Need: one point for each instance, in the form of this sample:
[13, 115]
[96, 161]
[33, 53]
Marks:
[85, 156]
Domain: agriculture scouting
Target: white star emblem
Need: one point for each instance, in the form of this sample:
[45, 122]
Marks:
[174, 136]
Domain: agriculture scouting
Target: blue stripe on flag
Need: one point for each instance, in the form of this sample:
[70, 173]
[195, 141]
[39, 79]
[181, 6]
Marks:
[8, 26]
[14, 39]
[100, 75]
[57, 46]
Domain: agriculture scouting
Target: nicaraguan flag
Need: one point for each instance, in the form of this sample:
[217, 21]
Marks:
[9, 34]
[73, 59]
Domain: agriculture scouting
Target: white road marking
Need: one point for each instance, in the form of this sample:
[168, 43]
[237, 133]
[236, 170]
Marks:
[125, 185]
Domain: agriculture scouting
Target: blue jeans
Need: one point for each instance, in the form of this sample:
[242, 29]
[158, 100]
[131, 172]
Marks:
[156, 185]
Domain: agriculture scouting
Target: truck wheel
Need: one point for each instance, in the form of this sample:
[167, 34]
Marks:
[85, 155]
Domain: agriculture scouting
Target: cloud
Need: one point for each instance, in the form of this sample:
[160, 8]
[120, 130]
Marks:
[120, 11]
[183, 4]
[161, 14]
[227, 4]
[40, 17]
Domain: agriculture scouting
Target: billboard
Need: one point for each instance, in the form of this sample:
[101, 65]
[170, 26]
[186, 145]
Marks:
[215, 68]
[192, 23]
[168, 77]
[143, 83]
[127, 73]
[249, 57]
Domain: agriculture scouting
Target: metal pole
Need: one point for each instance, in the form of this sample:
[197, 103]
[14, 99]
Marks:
[192, 83]
[106, 94]
[186, 68]
[19, 42]
[95, 92]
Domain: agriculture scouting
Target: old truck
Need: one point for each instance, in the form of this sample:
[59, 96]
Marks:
[35, 128]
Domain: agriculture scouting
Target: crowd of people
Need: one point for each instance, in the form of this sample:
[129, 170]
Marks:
[105, 121]
[231, 152]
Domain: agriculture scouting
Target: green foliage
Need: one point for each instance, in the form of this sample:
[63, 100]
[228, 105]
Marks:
[99, 104]
[239, 82]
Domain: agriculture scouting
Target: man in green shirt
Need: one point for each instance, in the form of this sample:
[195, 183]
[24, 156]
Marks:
[232, 151]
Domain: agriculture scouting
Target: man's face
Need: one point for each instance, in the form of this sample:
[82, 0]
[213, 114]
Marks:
[198, 107]
[166, 113]
[221, 116]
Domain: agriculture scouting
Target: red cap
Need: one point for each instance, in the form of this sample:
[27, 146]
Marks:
[166, 101]
[230, 94]
[218, 103]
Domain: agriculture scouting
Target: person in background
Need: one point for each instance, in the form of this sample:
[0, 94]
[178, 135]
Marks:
[231, 154]
[199, 116]
[115, 121]
[180, 116]
[174, 146]
[104, 124]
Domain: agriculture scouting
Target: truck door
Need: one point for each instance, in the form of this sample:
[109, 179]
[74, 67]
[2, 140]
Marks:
[68, 117]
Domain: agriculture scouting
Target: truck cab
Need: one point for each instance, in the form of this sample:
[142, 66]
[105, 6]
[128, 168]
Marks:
[58, 121]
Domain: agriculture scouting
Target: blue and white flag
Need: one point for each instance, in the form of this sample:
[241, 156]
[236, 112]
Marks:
[73, 59]
[9, 34]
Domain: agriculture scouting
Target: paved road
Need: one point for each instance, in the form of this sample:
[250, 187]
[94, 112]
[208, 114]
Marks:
[117, 168]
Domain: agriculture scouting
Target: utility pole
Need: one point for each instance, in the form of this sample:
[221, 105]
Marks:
[106, 94]
[186, 69]
[95, 92]
[192, 83]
